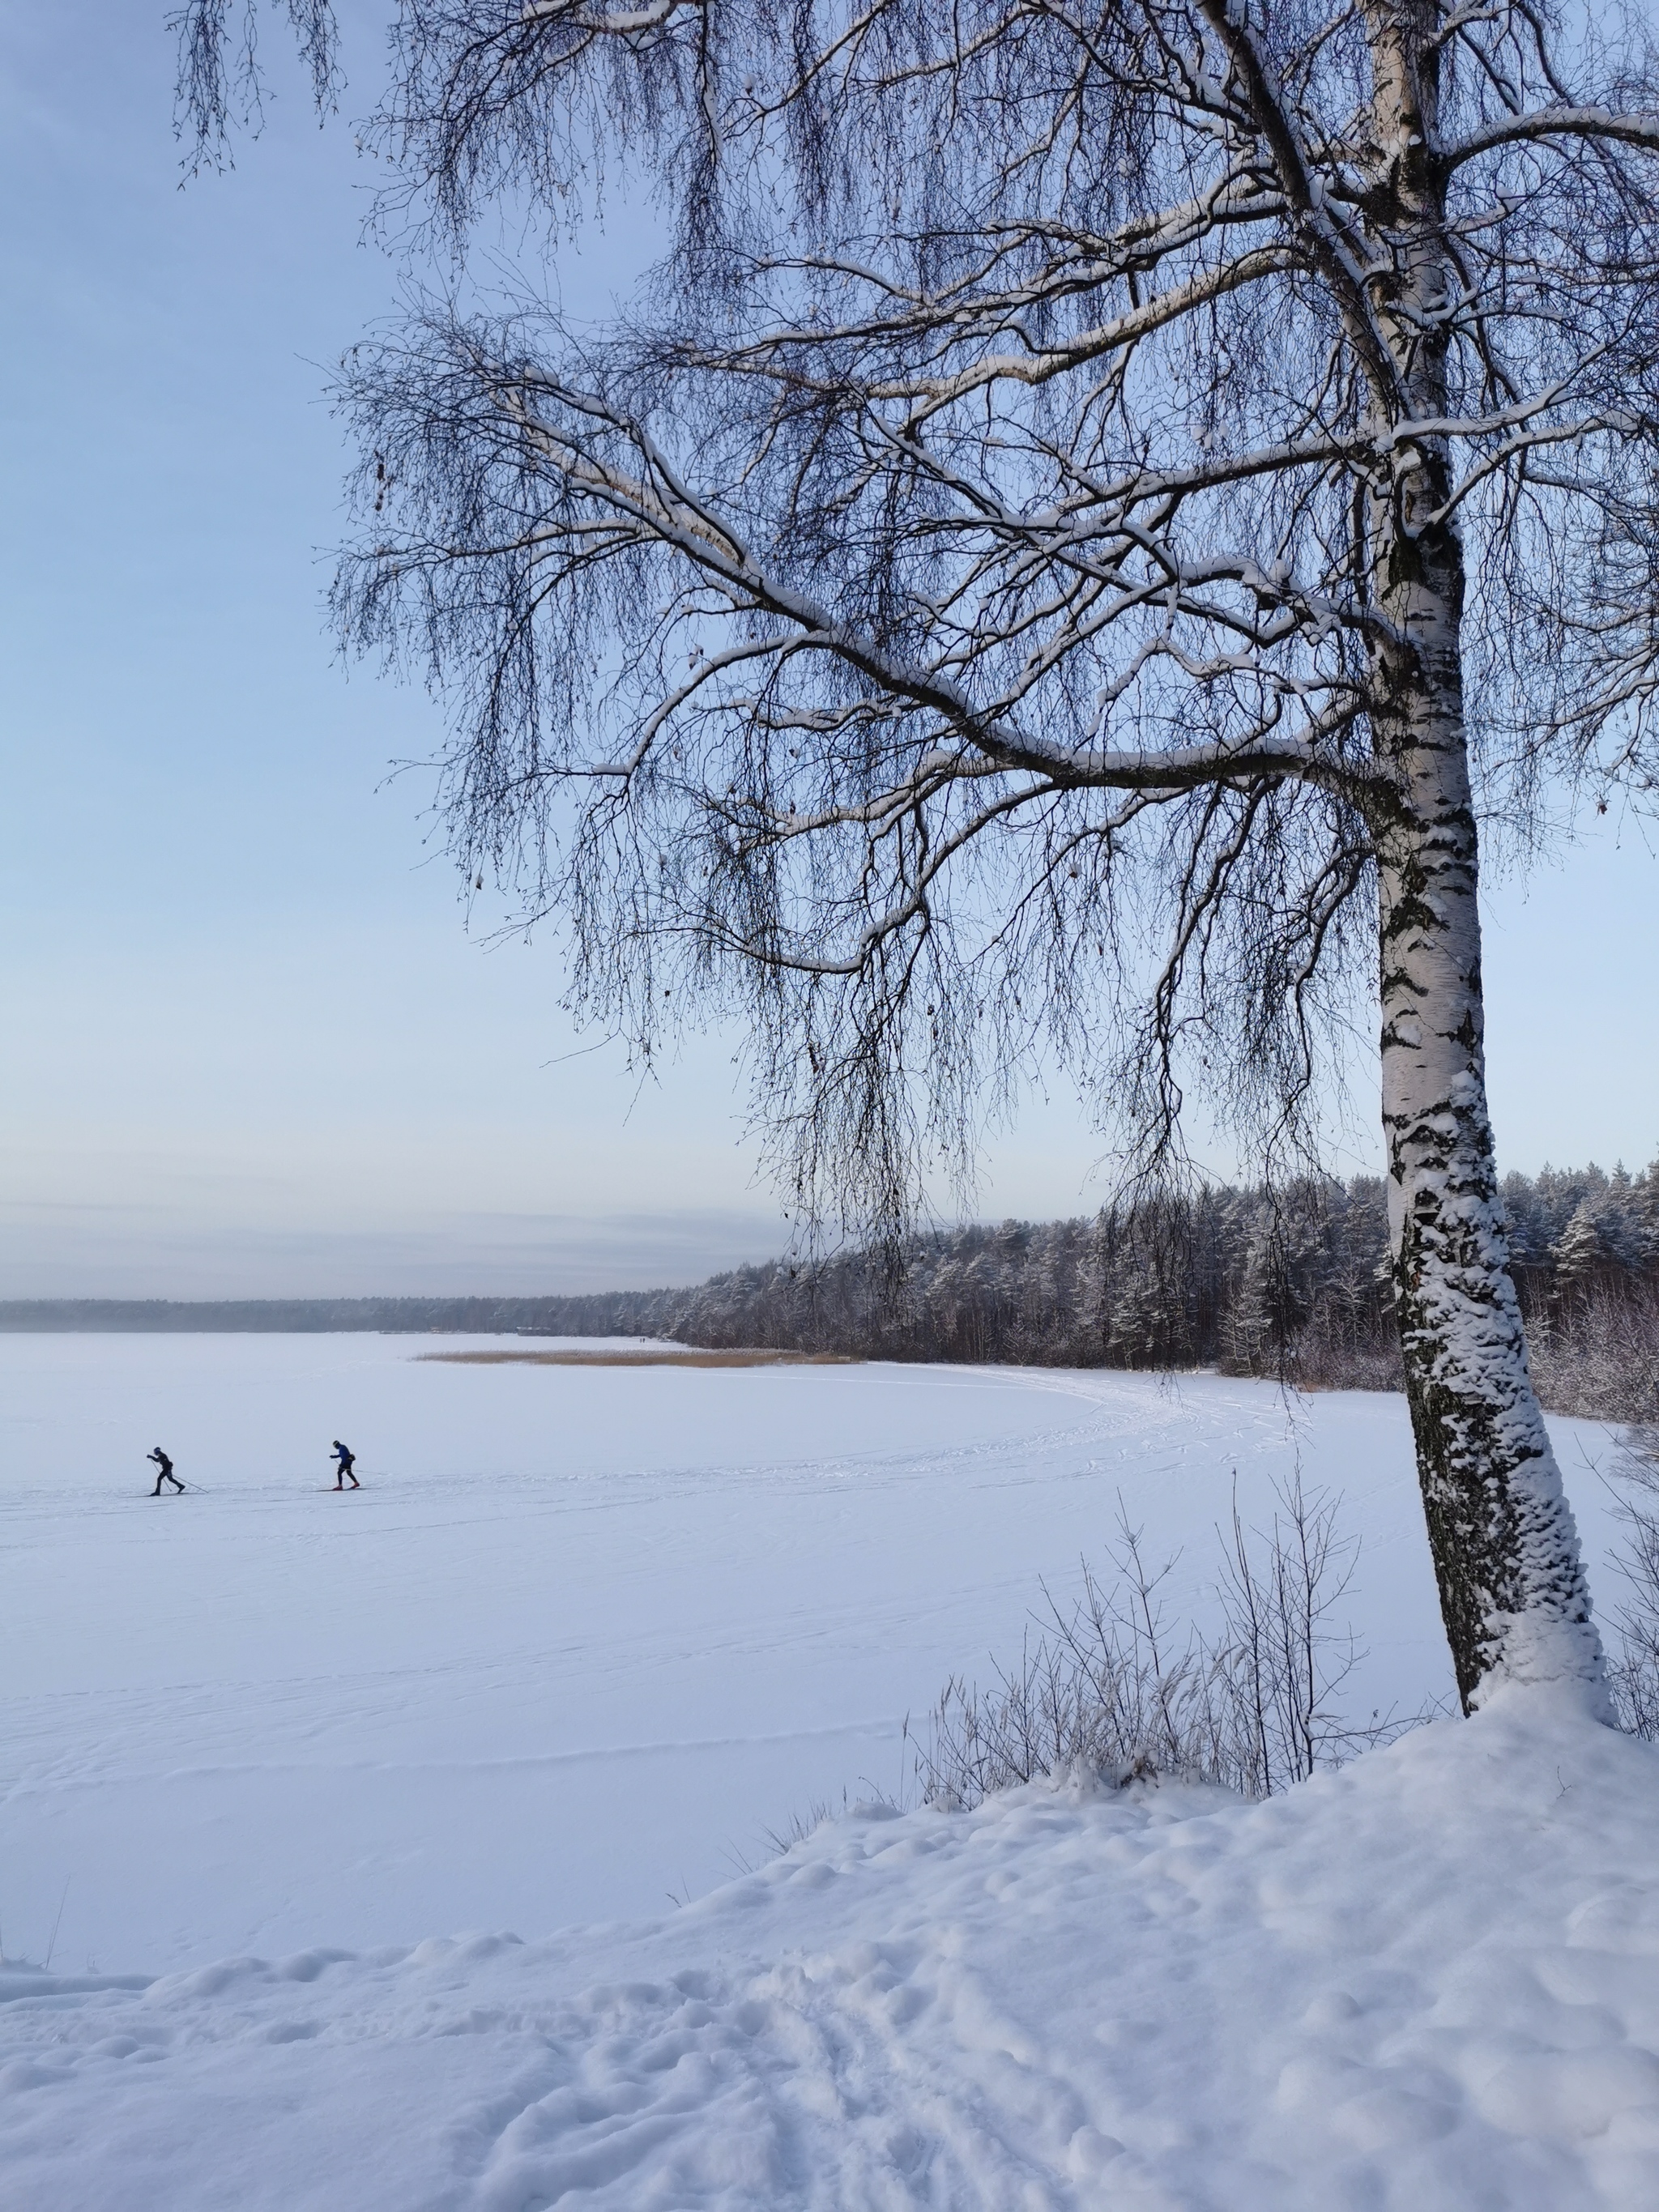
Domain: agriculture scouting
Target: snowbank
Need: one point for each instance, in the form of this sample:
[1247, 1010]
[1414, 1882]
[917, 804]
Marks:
[1430, 1981]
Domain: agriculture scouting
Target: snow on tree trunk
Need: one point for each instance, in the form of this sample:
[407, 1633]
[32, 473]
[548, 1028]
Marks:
[1512, 1587]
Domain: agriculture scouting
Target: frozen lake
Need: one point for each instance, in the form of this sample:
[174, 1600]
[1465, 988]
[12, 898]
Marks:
[585, 1634]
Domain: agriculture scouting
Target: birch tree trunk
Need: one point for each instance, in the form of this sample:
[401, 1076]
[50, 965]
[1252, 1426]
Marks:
[1506, 1555]
[1512, 1588]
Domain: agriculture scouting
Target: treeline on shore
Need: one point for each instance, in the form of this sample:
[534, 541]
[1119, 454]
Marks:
[1292, 1282]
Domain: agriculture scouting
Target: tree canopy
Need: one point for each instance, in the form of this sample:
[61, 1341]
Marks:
[947, 597]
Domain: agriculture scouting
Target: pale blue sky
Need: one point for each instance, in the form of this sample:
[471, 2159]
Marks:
[250, 1046]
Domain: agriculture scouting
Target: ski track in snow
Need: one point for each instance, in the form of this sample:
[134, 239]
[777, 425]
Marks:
[1429, 1983]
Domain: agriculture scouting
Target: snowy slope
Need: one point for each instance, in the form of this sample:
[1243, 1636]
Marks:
[1430, 1983]
[583, 1638]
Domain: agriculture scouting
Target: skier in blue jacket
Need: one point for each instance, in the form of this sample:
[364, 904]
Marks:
[348, 1460]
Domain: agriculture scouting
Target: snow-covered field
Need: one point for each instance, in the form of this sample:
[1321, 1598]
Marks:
[585, 1634]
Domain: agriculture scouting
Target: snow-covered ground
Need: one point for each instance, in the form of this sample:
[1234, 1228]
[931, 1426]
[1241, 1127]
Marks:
[585, 1633]
[1428, 1984]
[583, 1636]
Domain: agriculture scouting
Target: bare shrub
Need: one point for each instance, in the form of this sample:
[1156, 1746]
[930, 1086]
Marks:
[1599, 1358]
[1633, 1669]
[1110, 1689]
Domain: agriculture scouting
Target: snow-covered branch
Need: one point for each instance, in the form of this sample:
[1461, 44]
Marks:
[1545, 125]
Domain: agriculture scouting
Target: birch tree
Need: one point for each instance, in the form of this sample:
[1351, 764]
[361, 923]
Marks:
[1099, 505]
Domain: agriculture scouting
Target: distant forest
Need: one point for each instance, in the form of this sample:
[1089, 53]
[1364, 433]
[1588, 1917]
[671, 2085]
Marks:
[1293, 1283]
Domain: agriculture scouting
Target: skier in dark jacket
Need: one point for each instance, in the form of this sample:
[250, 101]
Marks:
[163, 1471]
[348, 1460]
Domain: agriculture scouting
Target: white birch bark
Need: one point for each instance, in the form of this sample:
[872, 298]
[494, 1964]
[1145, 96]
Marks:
[1512, 1587]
